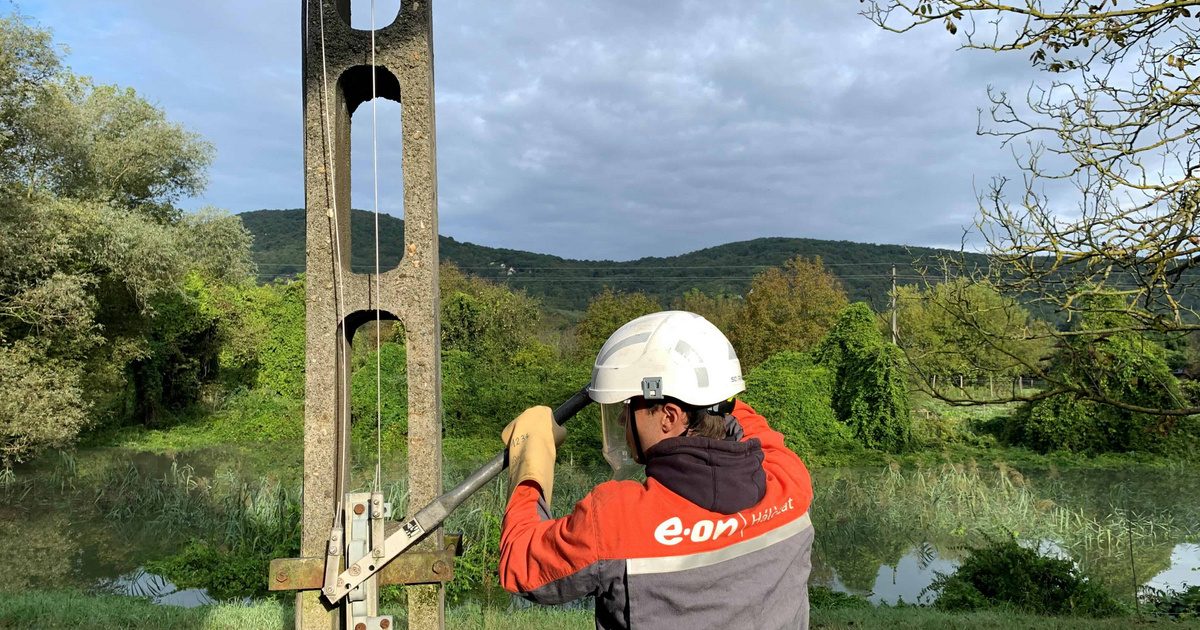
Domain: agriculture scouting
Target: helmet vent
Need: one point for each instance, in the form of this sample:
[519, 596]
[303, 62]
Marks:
[622, 344]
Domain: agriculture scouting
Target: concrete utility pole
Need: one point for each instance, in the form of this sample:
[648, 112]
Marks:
[337, 79]
[895, 330]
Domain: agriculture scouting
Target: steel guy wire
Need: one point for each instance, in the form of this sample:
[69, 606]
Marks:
[378, 301]
[339, 295]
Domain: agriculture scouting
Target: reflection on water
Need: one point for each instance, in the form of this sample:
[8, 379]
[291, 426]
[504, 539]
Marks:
[1184, 569]
[885, 534]
[86, 520]
[160, 590]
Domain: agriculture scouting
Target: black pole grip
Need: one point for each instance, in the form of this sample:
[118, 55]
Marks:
[574, 405]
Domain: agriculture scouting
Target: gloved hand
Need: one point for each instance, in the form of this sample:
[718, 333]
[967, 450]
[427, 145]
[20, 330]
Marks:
[533, 440]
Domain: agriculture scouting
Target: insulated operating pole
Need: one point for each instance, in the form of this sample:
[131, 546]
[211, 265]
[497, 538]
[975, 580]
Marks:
[337, 78]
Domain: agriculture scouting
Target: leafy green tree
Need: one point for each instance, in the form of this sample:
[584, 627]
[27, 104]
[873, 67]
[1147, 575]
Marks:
[788, 308]
[870, 393]
[722, 310]
[605, 314]
[1129, 371]
[795, 395]
[74, 139]
[485, 319]
[102, 281]
[967, 328]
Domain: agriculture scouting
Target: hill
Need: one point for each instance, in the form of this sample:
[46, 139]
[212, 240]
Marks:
[567, 284]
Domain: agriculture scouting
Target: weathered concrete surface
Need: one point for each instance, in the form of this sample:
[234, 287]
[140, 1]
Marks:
[404, 72]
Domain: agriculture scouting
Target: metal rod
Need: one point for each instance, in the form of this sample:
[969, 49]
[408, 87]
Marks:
[431, 516]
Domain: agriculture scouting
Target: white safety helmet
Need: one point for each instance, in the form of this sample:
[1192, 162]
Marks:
[673, 354]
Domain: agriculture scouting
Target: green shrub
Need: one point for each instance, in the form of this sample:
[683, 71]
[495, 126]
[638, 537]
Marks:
[1124, 366]
[393, 393]
[1005, 574]
[870, 391]
[794, 395]
[1183, 604]
[225, 574]
[258, 416]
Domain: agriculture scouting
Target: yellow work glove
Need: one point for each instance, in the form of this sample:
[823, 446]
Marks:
[533, 440]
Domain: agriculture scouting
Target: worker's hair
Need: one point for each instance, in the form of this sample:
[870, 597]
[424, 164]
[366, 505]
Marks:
[702, 422]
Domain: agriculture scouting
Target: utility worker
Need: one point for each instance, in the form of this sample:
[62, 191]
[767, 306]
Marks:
[718, 536]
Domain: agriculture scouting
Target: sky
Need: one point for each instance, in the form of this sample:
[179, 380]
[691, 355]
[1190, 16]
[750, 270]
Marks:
[602, 130]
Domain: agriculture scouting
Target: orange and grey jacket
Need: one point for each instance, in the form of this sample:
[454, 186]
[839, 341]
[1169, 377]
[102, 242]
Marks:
[717, 537]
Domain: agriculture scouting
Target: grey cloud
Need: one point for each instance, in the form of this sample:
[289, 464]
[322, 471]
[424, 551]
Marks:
[600, 130]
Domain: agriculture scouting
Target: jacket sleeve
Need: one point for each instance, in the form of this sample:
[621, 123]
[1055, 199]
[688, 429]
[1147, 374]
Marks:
[778, 459]
[755, 426]
[549, 561]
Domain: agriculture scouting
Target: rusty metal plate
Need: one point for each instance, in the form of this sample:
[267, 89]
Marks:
[299, 574]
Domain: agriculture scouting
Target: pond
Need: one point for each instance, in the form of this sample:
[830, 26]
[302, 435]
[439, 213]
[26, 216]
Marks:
[94, 519]
[885, 534]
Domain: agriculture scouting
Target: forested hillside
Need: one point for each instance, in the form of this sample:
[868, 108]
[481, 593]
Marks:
[566, 284]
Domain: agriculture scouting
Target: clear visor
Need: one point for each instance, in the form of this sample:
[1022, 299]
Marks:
[613, 418]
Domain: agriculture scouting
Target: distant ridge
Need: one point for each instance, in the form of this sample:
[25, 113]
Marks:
[567, 284]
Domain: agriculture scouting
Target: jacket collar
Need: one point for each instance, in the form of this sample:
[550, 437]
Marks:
[722, 476]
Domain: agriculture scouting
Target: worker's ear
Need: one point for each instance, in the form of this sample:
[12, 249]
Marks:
[673, 419]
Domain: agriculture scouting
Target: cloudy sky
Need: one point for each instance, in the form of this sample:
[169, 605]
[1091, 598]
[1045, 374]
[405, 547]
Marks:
[605, 130]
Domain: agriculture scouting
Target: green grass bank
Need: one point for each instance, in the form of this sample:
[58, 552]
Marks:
[67, 609]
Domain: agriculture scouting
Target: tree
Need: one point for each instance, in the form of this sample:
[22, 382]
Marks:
[103, 282]
[1130, 374]
[788, 308]
[1116, 120]
[967, 328]
[722, 310]
[605, 314]
[869, 390]
[61, 133]
[487, 320]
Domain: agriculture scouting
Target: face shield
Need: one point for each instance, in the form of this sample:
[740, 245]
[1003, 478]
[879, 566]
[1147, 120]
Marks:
[613, 420]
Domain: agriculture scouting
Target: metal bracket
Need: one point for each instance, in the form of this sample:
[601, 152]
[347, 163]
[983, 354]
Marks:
[301, 574]
[652, 388]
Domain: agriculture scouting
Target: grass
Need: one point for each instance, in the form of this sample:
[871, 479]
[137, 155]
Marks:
[67, 609]
[910, 617]
[72, 609]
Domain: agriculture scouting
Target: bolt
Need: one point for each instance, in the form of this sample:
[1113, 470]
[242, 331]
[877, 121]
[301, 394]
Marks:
[439, 567]
[377, 514]
[376, 501]
[355, 570]
[359, 508]
[360, 626]
[282, 576]
[385, 623]
[330, 591]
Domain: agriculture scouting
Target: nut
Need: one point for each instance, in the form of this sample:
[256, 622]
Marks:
[385, 623]
[281, 576]
[355, 570]
[439, 567]
[360, 626]
[359, 508]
